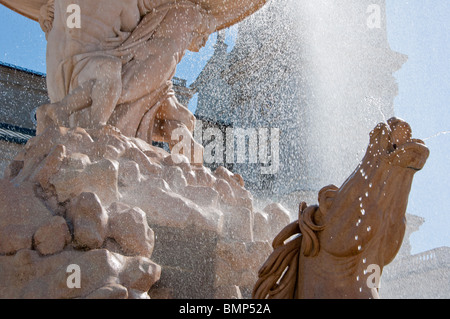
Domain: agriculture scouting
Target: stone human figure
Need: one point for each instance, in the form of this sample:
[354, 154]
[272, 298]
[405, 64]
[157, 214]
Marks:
[94, 67]
[98, 74]
[115, 67]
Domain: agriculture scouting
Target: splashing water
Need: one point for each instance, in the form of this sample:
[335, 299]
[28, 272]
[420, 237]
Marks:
[384, 117]
[436, 135]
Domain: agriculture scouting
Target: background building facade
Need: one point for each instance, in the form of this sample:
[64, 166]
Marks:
[321, 73]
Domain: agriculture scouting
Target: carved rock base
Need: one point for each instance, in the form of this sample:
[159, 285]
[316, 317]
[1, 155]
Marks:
[108, 203]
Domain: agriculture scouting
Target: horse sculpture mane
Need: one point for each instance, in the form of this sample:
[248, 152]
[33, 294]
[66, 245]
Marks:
[278, 276]
[327, 251]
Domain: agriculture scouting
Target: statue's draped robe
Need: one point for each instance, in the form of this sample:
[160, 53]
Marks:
[136, 117]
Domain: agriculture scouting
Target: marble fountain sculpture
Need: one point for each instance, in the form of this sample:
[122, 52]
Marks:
[91, 209]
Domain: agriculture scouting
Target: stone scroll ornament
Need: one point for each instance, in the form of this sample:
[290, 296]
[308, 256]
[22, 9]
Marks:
[115, 66]
[333, 249]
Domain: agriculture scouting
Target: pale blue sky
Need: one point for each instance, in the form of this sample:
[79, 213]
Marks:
[417, 28]
[421, 30]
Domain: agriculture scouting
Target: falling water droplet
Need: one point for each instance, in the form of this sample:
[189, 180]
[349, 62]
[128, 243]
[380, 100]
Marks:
[363, 211]
[359, 247]
[369, 228]
[356, 237]
[364, 260]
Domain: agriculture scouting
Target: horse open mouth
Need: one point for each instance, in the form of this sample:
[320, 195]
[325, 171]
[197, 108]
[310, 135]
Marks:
[411, 155]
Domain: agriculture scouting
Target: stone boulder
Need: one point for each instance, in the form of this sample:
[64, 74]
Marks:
[21, 215]
[107, 203]
[102, 274]
[52, 237]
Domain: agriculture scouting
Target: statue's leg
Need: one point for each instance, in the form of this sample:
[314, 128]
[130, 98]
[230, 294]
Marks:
[153, 65]
[171, 109]
[100, 89]
[106, 90]
[172, 121]
[58, 113]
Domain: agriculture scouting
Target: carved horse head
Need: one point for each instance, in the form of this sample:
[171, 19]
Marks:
[360, 223]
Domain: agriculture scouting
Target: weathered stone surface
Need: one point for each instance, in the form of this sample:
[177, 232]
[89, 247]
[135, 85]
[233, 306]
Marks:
[242, 256]
[228, 292]
[237, 263]
[175, 177]
[239, 224]
[225, 191]
[129, 228]
[234, 253]
[165, 208]
[77, 161]
[231, 189]
[145, 163]
[89, 219]
[233, 179]
[204, 176]
[141, 274]
[188, 261]
[91, 205]
[129, 173]
[49, 166]
[278, 218]
[201, 195]
[14, 238]
[47, 277]
[21, 214]
[261, 227]
[52, 237]
[111, 291]
[176, 160]
[80, 172]
[100, 178]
